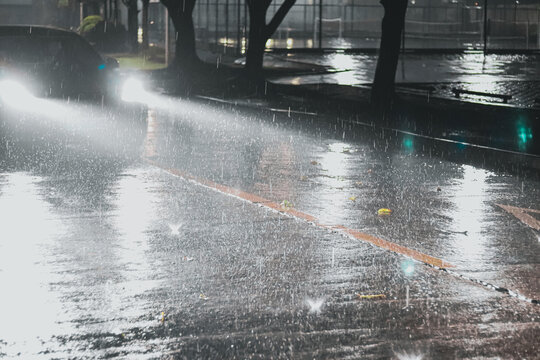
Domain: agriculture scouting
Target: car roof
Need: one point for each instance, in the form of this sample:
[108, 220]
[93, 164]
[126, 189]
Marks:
[36, 30]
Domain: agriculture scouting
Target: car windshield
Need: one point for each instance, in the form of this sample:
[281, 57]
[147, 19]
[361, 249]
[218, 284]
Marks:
[47, 51]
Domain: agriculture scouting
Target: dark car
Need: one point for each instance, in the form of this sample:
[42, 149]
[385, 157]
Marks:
[50, 62]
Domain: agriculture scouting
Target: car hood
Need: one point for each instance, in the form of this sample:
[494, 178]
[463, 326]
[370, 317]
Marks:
[45, 80]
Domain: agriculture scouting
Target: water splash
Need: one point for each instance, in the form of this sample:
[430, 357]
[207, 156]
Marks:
[406, 356]
[175, 228]
[315, 305]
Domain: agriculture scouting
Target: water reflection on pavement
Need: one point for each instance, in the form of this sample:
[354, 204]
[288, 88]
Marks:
[471, 67]
[104, 254]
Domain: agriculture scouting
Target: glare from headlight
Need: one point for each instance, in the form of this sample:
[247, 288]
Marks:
[133, 91]
[14, 94]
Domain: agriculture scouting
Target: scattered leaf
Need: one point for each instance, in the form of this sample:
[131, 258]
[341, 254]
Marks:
[313, 162]
[304, 178]
[203, 297]
[358, 183]
[384, 212]
[352, 198]
[162, 316]
[286, 204]
[369, 171]
[371, 296]
[187, 258]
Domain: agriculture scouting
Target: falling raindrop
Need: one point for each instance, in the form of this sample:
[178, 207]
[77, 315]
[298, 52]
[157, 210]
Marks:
[407, 297]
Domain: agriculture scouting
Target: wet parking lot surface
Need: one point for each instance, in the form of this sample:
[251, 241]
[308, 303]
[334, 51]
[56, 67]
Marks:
[189, 229]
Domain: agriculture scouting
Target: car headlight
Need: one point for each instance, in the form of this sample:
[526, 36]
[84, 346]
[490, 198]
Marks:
[133, 91]
[13, 93]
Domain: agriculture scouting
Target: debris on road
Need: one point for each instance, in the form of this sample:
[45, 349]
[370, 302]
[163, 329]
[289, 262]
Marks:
[371, 296]
[384, 212]
[287, 205]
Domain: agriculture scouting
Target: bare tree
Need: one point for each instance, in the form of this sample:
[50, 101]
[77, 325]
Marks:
[385, 74]
[181, 13]
[260, 31]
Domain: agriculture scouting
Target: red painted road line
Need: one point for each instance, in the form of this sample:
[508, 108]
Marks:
[384, 244]
[521, 214]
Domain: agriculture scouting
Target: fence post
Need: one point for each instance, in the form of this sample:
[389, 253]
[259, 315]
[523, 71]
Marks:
[216, 32]
[527, 34]
[238, 40]
[320, 23]
[485, 25]
[226, 44]
[167, 51]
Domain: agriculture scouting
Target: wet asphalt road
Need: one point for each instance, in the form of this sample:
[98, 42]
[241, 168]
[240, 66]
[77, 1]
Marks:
[120, 238]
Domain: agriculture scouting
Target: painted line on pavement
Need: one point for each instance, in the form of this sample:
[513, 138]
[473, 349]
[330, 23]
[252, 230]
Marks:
[428, 260]
[289, 211]
[522, 214]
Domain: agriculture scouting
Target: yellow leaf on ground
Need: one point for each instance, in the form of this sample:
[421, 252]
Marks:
[371, 296]
[286, 204]
[384, 212]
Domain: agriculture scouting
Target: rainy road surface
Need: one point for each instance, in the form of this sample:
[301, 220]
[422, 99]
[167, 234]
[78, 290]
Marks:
[191, 230]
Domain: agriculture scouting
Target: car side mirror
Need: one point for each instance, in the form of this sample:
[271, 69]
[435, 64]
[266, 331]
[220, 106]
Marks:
[111, 63]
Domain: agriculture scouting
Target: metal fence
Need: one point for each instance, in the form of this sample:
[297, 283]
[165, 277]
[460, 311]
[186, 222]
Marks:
[222, 25]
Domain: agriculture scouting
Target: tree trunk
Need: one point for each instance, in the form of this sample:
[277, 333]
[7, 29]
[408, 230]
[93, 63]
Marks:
[385, 73]
[116, 13]
[133, 24]
[181, 13]
[145, 41]
[256, 41]
[260, 32]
